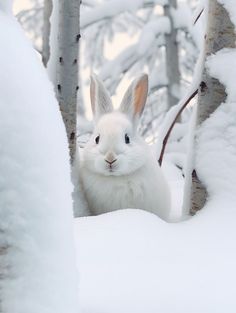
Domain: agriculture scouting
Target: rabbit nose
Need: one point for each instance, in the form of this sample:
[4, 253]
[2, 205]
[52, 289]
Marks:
[110, 158]
[111, 161]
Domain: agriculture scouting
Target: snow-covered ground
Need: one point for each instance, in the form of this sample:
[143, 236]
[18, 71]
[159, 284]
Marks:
[131, 261]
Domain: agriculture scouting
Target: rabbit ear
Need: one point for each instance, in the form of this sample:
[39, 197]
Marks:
[135, 97]
[100, 99]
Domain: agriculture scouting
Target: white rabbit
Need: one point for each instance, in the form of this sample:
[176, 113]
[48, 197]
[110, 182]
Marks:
[117, 168]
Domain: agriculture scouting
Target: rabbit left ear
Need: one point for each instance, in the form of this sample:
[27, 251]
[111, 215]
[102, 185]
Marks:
[135, 97]
[100, 99]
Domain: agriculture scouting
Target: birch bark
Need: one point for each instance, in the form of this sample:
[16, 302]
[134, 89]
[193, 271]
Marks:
[67, 66]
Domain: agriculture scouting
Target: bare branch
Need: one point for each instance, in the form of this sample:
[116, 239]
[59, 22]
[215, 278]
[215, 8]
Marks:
[173, 124]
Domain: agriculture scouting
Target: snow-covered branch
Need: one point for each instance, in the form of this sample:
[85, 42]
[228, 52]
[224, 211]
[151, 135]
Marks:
[112, 8]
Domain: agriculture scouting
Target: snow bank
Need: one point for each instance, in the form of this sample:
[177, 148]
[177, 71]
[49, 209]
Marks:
[36, 242]
[131, 261]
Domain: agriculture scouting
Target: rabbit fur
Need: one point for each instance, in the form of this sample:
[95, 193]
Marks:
[117, 168]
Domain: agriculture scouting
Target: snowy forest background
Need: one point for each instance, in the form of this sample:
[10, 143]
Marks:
[129, 260]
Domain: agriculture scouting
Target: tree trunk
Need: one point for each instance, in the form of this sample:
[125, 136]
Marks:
[67, 67]
[172, 58]
[220, 34]
[46, 31]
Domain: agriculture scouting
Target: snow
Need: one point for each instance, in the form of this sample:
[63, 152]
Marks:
[217, 62]
[6, 6]
[157, 78]
[131, 261]
[217, 142]
[37, 248]
[150, 31]
[112, 8]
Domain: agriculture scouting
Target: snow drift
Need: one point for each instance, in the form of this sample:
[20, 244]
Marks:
[36, 243]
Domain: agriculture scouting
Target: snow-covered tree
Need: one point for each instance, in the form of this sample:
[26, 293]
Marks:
[67, 66]
[162, 43]
[220, 34]
[158, 41]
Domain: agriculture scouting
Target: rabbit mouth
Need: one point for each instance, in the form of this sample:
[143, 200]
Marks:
[111, 169]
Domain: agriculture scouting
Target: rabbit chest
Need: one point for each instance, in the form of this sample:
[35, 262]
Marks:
[109, 193]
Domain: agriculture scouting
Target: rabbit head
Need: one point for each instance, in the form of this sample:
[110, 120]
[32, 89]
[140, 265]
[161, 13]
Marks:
[115, 147]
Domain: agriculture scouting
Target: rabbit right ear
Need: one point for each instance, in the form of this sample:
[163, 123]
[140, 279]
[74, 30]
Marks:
[100, 99]
[135, 97]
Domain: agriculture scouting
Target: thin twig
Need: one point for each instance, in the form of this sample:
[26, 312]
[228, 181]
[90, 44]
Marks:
[173, 124]
[197, 18]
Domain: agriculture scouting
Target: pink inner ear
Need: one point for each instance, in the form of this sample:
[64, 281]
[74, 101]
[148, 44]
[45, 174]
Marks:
[140, 96]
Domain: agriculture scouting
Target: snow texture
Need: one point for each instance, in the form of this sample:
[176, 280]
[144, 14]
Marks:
[37, 258]
[217, 62]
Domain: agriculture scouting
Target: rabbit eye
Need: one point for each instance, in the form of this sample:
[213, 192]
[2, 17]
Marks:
[97, 140]
[127, 140]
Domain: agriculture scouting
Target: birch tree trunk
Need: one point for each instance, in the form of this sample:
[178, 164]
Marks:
[172, 57]
[46, 31]
[67, 66]
[220, 34]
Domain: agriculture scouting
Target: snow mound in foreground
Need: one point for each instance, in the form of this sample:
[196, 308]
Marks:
[131, 261]
[36, 244]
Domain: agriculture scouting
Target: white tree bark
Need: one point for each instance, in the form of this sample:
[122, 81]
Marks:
[67, 84]
[46, 31]
[172, 57]
[53, 43]
[67, 66]
[220, 34]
